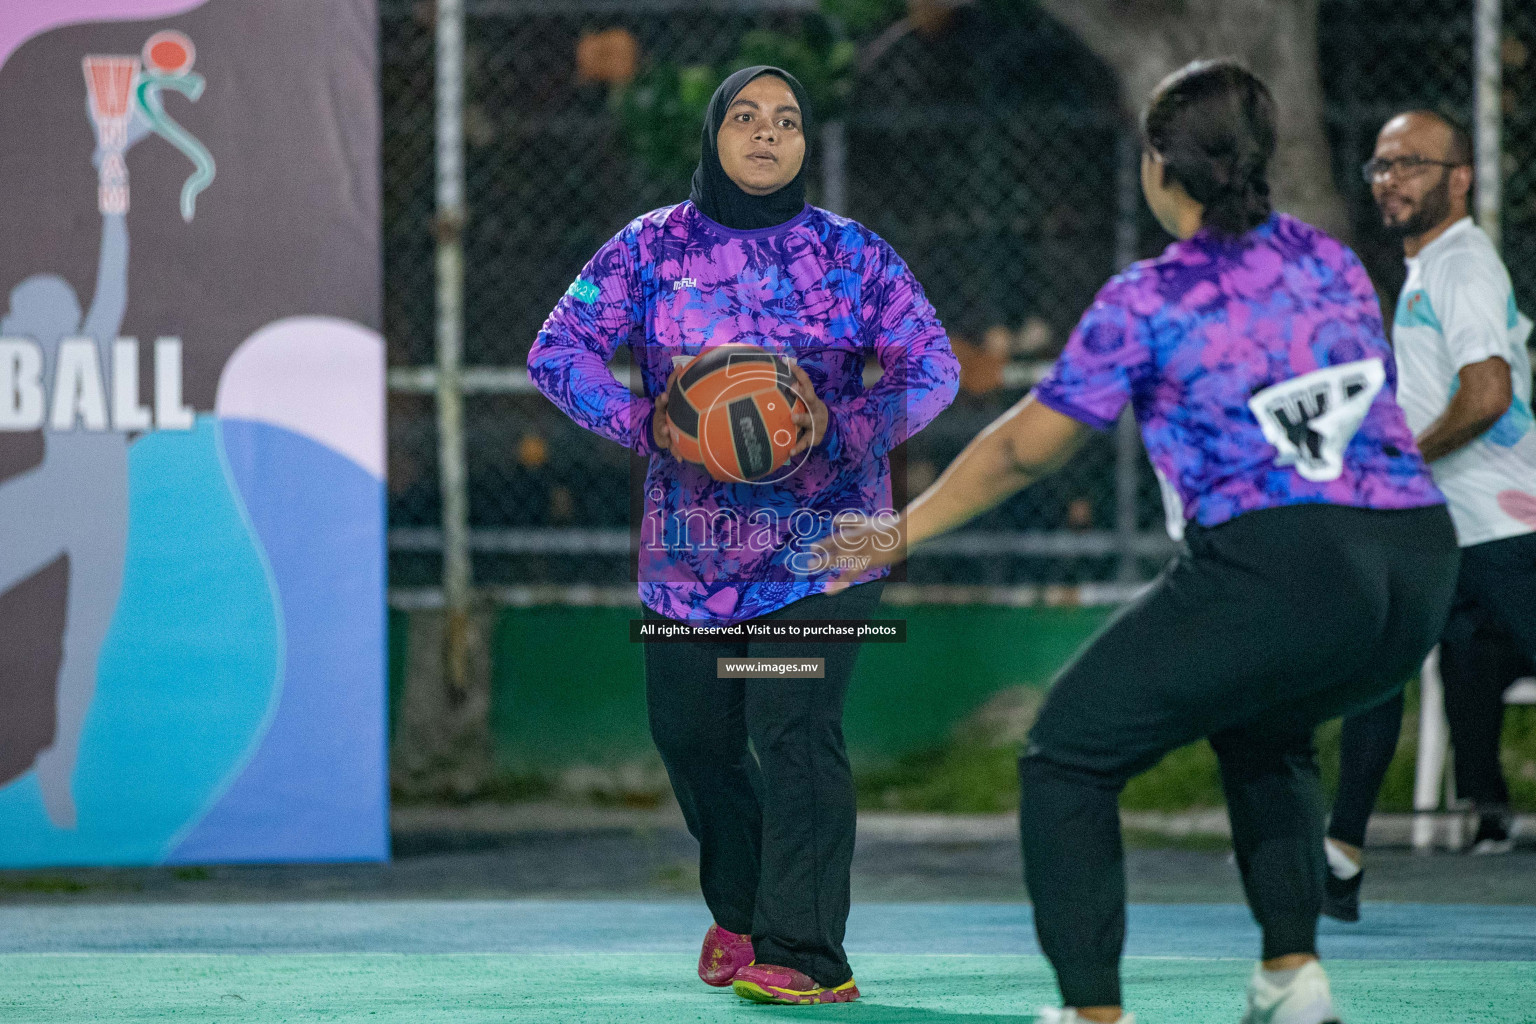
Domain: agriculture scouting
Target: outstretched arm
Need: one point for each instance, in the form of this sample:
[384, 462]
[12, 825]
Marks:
[1088, 387]
[110, 303]
[1026, 443]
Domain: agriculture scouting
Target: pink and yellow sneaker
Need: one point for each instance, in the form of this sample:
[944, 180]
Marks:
[724, 954]
[765, 983]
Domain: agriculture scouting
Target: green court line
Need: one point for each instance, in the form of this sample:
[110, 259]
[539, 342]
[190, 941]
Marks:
[660, 988]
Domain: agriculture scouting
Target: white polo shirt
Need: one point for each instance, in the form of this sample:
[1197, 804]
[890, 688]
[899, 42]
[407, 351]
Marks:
[1457, 308]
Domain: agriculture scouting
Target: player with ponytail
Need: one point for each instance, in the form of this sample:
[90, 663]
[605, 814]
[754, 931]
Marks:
[1212, 130]
[1318, 559]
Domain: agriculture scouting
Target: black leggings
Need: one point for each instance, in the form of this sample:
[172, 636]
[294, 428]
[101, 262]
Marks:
[1488, 643]
[1366, 746]
[776, 831]
[1261, 629]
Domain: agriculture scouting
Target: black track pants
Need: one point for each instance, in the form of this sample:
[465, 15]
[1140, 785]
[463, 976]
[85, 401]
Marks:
[1366, 746]
[1496, 646]
[776, 831]
[1262, 628]
[1488, 643]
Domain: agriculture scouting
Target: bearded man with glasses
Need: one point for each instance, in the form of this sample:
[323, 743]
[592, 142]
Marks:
[1464, 382]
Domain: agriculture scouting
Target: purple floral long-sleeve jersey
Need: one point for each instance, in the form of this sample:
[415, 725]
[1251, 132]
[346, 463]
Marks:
[821, 290]
[1258, 373]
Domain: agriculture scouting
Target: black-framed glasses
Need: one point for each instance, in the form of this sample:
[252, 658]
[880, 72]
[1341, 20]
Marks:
[1376, 169]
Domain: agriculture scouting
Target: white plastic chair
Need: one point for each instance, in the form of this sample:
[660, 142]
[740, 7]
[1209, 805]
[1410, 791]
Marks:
[1434, 742]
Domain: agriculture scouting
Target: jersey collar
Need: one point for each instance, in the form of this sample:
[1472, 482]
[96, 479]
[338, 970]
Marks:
[1457, 229]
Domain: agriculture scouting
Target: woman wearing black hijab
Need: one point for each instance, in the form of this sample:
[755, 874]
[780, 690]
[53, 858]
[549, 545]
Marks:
[750, 196]
[746, 260]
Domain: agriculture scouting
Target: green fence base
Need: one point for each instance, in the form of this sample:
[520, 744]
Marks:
[569, 686]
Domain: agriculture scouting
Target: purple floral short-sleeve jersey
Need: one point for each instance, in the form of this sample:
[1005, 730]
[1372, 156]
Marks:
[1258, 373]
[821, 290]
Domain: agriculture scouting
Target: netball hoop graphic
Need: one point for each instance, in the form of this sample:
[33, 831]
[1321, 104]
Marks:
[89, 532]
[125, 94]
[109, 83]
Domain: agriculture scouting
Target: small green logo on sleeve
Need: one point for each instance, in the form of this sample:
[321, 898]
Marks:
[583, 290]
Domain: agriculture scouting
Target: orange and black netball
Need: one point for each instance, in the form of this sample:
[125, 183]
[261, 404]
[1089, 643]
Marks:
[732, 410]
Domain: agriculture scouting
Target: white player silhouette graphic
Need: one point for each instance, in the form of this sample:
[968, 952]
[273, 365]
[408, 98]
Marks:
[75, 502]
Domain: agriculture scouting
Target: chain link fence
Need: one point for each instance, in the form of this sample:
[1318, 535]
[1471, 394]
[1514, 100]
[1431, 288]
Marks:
[1517, 54]
[982, 140]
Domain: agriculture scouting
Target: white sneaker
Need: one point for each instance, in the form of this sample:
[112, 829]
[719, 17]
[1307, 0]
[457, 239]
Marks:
[1495, 833]
[1485, 847]
[1306, 1000]
[1067, 1015]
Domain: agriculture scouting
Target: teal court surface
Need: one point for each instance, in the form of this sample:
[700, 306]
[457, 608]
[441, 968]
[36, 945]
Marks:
[633, 961]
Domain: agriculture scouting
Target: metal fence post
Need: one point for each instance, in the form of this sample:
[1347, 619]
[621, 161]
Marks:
[1489, 105]
[1127, 437]
[453, 475]
[834, 168]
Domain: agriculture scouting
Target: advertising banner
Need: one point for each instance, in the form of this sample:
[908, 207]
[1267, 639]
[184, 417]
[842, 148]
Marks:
[191, 433]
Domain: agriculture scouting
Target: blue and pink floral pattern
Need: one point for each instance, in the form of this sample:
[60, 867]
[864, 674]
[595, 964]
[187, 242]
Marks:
[1189, 337]
[820, 289]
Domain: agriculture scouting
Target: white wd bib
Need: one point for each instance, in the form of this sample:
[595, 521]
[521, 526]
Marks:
[1312, 418]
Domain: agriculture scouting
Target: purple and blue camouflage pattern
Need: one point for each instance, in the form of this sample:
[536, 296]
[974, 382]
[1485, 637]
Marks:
[1187, 338]
[820, 289]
